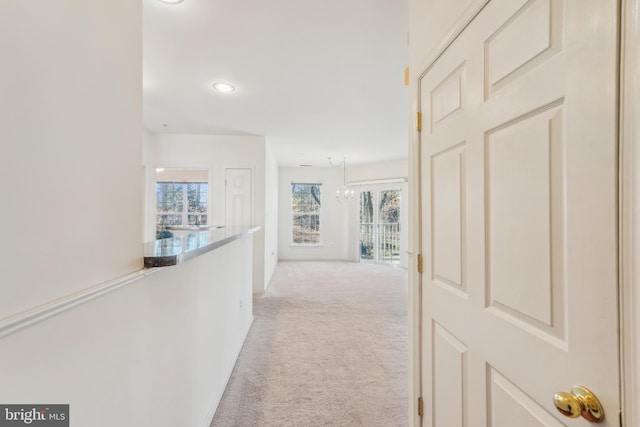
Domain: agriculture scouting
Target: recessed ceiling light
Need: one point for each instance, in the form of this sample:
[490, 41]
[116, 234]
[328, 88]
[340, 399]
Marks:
[170, 1]
[224, 87]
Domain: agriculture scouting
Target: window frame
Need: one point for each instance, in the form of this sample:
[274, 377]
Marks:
[185, 204]
[294, 214]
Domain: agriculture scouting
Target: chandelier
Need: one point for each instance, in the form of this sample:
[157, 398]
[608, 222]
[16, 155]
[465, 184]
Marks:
[344, 193]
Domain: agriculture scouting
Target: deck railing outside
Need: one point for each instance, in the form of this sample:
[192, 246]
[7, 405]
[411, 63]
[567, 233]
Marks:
[387, 238]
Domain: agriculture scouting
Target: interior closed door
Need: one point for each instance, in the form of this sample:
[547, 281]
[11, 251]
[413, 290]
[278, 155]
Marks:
[519, 208]
[238, 197]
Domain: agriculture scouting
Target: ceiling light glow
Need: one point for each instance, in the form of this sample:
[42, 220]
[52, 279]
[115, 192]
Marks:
[224, 87]
[170, 1]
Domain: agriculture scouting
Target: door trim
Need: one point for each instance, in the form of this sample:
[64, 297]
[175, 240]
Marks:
[415, 207]
[630, 210]
[415, 233]
[469, 14]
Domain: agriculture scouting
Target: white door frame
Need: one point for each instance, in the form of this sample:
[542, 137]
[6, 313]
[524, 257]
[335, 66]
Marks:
[629, 205]
[630, 209]
[415, 208]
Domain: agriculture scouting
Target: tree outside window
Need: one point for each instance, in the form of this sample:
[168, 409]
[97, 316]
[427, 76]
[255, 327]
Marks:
[179, 203]
[305, 208]
[380, 225]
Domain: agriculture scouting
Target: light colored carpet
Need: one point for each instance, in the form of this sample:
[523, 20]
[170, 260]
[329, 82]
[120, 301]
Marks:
[328, 347]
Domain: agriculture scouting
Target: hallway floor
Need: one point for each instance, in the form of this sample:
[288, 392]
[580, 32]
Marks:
[328, 347]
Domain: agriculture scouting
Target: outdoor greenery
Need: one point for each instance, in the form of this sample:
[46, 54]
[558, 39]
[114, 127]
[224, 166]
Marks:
[380, 223]
[172, 197]
[305, 208]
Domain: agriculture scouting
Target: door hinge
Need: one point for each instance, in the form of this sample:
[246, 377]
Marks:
[420, 407]
[419, 121]
[419, 263]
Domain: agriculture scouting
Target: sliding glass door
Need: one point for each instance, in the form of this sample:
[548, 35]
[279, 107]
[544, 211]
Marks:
[380, 225]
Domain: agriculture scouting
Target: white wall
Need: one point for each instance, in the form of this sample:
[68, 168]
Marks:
[218, 153]
[148, 190]
[270, 214]
[215, 153]
[153, 353]
[339, 222]
[334, 216]
[70, 114]
[157, 352]
[376, 171]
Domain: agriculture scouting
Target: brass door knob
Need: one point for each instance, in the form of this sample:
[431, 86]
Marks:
[581, 401]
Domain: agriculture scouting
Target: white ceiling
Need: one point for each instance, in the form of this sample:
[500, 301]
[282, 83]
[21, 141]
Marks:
[318, 79]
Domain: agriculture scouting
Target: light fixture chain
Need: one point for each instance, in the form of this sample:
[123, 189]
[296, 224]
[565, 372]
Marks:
[346, 193]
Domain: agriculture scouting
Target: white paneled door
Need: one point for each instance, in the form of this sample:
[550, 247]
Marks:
[519, 216]
[238, 197]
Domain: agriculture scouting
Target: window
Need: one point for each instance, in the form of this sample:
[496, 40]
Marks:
[179, 203]
[305, 209]
[380, 225]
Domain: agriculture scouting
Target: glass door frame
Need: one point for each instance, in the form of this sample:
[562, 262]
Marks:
[375, 224]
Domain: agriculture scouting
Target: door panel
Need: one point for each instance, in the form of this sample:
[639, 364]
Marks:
[238, 197]
[519, 215]
[524, 177]
[448, 216]
[527, 39]
[510, 406]
[449, 378]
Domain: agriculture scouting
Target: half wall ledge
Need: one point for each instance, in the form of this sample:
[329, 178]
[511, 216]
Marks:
[176, 250]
